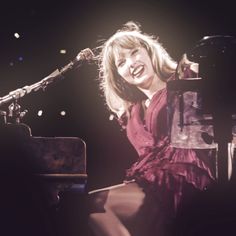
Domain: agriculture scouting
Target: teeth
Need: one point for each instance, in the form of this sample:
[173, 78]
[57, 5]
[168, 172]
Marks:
[137, 70]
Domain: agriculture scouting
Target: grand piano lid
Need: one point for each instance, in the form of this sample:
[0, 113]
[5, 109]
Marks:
[216, 57]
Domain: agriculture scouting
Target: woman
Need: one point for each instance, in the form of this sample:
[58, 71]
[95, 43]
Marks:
[134, 69]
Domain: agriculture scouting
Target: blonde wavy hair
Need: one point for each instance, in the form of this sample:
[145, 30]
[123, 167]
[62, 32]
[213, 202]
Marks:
[119, 95]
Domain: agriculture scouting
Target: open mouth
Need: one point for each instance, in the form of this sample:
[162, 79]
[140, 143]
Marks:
[138, 71]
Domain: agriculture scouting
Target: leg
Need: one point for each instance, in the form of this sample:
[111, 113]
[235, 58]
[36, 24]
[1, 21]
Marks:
[123, 210]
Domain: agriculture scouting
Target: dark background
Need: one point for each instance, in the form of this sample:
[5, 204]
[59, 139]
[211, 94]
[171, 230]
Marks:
[45, 27]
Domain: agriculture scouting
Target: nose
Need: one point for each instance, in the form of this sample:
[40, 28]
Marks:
[130, 62]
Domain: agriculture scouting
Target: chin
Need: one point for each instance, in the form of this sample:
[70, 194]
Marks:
[143, 82]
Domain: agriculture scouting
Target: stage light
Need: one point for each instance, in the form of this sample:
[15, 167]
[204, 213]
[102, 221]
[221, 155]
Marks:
[16, 35]
[111, 117]
[40, 113]
[63, 51]
[63, 113]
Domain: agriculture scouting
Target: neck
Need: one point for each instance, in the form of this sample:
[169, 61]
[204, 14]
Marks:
[156, 85]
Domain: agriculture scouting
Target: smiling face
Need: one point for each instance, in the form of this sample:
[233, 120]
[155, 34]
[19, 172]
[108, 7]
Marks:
[135, 66]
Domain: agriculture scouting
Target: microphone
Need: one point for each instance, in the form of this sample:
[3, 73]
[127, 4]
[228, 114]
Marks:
[84, 55]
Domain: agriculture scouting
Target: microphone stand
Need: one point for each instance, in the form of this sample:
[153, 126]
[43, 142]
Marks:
[21, 92]
[14, 109]
[85, 54]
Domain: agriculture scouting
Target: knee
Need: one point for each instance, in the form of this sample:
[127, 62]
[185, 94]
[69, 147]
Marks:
[93, 223]
[96, 202]
[92, 219]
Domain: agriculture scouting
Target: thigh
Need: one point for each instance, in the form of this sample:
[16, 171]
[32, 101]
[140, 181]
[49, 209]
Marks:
[125, 201]
[138, 210]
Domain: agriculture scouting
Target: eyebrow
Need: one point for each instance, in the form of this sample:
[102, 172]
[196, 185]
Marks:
[123, 54]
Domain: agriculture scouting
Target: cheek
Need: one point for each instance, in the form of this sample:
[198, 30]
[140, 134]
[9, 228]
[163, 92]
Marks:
[119, 71]
[123, 72]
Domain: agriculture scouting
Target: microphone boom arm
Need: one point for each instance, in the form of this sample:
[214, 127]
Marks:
[21, 92]
[85, 54]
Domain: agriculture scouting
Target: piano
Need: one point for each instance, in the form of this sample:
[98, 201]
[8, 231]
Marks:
[54, 163]
[43, 183]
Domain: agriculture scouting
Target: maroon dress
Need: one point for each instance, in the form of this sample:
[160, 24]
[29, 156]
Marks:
[160, 166]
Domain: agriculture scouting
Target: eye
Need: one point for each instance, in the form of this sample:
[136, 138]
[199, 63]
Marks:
[134, 51]
[120, 63]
